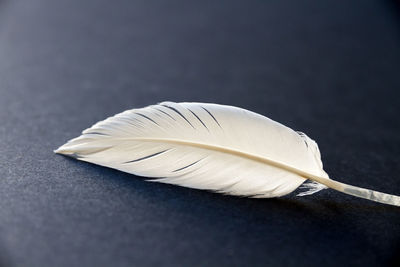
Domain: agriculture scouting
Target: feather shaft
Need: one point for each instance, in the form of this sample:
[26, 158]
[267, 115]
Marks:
[338, 186]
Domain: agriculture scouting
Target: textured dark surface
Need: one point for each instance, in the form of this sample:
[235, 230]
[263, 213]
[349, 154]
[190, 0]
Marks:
[328, 68]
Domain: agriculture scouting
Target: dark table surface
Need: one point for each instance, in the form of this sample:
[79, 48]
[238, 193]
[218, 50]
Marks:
[328, 68]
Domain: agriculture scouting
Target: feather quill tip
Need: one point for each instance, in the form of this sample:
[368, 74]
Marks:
[66, 152]
[61, 150]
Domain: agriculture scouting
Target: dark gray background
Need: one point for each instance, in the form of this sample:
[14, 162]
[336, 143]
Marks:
[328, 68]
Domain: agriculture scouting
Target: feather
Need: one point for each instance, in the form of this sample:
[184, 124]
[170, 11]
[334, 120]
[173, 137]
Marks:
[213, 147]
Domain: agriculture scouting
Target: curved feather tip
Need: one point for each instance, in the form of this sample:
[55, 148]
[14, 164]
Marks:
[213, 147]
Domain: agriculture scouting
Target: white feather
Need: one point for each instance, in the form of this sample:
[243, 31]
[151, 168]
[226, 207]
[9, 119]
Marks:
[206, 146]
